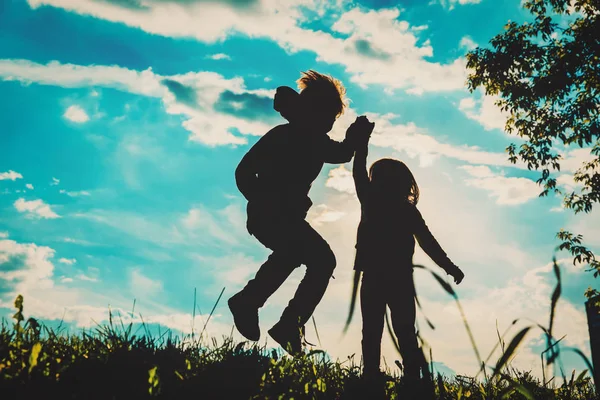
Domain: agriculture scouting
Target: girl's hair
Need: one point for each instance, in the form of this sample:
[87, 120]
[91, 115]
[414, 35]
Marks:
[395, 172]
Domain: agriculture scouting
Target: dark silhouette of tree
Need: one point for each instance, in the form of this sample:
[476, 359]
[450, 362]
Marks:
[547, 75]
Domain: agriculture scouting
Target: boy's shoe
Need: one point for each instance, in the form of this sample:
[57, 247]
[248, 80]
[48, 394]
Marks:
[288, 337]
[245, 317]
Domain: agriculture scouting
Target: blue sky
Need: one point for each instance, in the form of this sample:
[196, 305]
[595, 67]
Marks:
[123, 122]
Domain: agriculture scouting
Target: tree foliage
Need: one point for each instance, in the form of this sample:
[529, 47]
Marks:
[546, 73]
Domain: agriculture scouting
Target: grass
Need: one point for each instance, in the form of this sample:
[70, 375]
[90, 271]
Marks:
[114, 362]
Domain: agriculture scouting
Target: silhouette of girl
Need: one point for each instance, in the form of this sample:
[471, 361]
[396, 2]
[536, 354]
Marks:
[390, 221]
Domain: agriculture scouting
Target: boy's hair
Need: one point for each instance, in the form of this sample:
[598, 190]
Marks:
[330, 92]
[401, 176]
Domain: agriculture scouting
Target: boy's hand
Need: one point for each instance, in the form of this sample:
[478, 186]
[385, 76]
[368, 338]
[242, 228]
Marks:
[458, 276]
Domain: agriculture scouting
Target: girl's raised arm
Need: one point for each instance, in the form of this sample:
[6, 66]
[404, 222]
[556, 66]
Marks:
[359, 171]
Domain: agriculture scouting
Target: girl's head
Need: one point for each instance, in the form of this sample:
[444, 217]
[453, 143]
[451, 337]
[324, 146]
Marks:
[389, 176]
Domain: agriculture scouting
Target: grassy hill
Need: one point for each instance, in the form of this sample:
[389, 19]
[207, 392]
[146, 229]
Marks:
[113, 363]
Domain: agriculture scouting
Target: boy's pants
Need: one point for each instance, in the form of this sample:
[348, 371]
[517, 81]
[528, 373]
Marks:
[393, 288]
[294, 242]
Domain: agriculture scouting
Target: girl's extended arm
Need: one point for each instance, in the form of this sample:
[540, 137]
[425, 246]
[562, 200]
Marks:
[431, 246]
[359, 171]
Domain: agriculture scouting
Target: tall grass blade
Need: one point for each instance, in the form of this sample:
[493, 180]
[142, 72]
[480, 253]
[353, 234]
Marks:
[469, 332]
[211, 312]
[585, 359]
[423, 312]
[193, 314]
[554, 352]
[512, 347]
[316, 331]
[355, 285]
[391, 332]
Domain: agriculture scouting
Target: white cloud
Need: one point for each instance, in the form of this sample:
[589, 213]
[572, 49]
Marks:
[450, 4]
[198, 226]
[417, 143]
[29, 186]
[412, 140]
[142, 286]
[232, 270]
[341, 180]
[68, 261]
[75, 193]
[380, 49]
[524, 297]
[26, 266]
[54, 182]
[572, 160]
[323, 214]
[507, 191]
[27, 269]
[10, 175]
[35, 208]
[375, 47]
[3, 235]
[87, 278]
[219, 56]
[484, 111]
[222, 226]
[136, 225]
[77, 241]
[567, 182]
[478, 171]
[467, 43]
[76, 114]
[203, 90]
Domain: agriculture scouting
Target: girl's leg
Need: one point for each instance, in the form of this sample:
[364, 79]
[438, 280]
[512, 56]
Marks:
[372, 306]
[402, 305]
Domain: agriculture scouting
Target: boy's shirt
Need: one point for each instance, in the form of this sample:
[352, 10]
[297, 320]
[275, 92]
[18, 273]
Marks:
[276, 174]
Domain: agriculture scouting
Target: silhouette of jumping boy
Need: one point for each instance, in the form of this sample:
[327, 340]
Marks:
[275, 177]
[390, 221]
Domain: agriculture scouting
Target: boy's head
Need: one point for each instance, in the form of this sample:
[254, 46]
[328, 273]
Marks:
[323, 99]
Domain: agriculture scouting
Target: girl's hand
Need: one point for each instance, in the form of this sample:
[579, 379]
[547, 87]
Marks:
[458, 276]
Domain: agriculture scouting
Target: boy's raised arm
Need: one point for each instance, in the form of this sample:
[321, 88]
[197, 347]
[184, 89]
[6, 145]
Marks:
[342, 152]
[338, 152]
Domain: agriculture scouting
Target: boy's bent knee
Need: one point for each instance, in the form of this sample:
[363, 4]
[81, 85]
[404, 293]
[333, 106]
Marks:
[322, 259]
[328, 261]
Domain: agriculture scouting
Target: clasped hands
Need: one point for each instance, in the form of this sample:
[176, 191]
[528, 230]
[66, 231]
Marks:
[359, 132]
